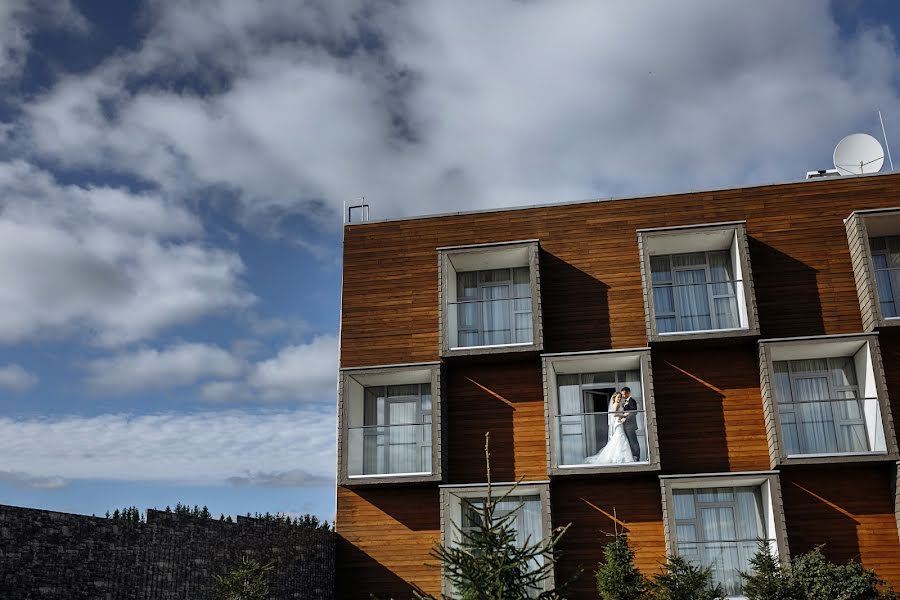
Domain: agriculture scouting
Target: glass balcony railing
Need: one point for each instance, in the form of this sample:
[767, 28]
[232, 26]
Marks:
[389, 450]
[493, 322]
[887, 282]
[708, 306]
[726, 559]
[591, 439]
[833, 426]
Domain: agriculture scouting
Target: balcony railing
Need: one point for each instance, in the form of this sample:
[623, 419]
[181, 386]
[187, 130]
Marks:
[887, 282]
[833, 426]
[725, 558]
[389, 450]
[691, 307]
[493, 322]
[581, 438]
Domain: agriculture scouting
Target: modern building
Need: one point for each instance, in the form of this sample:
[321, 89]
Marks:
[757, 330]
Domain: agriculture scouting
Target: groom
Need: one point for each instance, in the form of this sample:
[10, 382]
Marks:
[629, 405]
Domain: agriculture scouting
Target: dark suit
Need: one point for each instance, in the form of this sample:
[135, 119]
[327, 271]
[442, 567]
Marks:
[630, 426]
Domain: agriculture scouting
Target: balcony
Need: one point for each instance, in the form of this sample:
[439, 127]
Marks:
[697, 282]
[490, 299]
[389, 424]
[600, 412]
[873, 237]
[825, 400]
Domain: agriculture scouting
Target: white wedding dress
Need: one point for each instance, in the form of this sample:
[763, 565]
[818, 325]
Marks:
[617, 450]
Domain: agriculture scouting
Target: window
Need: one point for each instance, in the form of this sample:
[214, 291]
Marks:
[494, 307]
[396, 430]
[389, 424]
[886, 262]
[829, 398]
[529, 504]
[719, 528]
[490, 299]
[694, 292]
[588, 431]
[697, 282]
[716, 521]
[873, 238]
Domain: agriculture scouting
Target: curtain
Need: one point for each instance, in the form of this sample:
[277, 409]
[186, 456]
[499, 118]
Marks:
[883, 285]
[816, 420]
[373, 436]
[725, 292]
[571, 429]
[663, 293]
[522, 305]
[467, 312]
[850, 415]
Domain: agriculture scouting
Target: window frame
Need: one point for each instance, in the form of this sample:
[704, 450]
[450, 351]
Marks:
[452, 494]
[770, 493]
[862, 226]
[352, 386]
[827, 346]
[483, 257]
[556, 364]
[705, 238]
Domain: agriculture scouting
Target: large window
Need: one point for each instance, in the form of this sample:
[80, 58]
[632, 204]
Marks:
[828, 397]
[716, 521]
[820, 406]
[886, 263]
[526, 507]
[592, 429]
[697, 282]
[494, 307]
[490, 299]
[694, 292]
[390, 424]
[396, 430]
[719, 528]
[599, 408]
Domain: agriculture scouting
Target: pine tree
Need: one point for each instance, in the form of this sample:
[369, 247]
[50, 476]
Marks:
[249, 580]
[617, 576]
[681, 580]
[768, 578]
[487, 564]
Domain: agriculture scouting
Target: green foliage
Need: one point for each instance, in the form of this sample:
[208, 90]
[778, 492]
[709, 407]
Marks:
[617, 576]
[768, 579]
[131, 514]
[197, 512]
[249, 580]
[681, 580]
[487, 564]
[819, 578]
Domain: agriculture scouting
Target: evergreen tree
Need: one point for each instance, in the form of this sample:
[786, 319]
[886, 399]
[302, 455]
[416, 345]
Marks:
[817, 578]
[487, 564]
[617, 576]
[768, 578]
[682, 580]
[249, 580]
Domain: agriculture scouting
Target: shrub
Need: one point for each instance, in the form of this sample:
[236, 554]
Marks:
[249, 580]
[681, 580]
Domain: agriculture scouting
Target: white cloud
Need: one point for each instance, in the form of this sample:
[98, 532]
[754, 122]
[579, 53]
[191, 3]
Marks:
[175, 366]
[24, 480]
[16, 378]
[112, 265]
[475, 104]
[18, 21]
[199, 448]
[298, 373]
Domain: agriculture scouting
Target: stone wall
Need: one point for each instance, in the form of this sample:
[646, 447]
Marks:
[170, 557]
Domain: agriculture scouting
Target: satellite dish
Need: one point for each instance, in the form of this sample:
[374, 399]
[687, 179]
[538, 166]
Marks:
[857, 154]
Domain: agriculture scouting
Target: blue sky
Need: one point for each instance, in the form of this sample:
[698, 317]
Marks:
[172, 175]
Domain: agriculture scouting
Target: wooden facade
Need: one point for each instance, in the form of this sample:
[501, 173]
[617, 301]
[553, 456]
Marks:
[707, 392]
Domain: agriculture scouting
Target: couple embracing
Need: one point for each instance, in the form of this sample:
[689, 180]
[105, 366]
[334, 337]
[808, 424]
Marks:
[622, 446]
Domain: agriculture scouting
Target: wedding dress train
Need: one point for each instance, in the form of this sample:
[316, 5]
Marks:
[617, 450]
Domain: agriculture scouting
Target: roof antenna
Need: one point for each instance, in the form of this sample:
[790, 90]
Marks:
[886, 145]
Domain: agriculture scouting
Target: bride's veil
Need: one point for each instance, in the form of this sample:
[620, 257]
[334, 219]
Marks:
[610, 419]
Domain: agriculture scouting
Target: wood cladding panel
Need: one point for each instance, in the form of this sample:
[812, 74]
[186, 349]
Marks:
[590, 268]
[505, 399]
[889, 342]
[385, 536]
[709, 411]
[850, 509]
[591, 505]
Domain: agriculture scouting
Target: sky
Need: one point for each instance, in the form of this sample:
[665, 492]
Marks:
[172, 177]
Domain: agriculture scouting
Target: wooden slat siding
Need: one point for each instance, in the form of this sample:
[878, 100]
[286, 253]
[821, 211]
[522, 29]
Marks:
[889, 342]
[592, 299]
[385, 537]
[853, 515]
[515, 420]
[634, 500]
[708, 410]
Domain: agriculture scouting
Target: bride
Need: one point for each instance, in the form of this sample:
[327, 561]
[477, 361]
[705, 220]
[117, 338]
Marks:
[617, 449]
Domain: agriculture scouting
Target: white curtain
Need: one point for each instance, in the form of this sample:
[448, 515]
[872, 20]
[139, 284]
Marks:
[725, 292]
[571, 425]
[663, 293]
[522, 305]
[691, 293]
